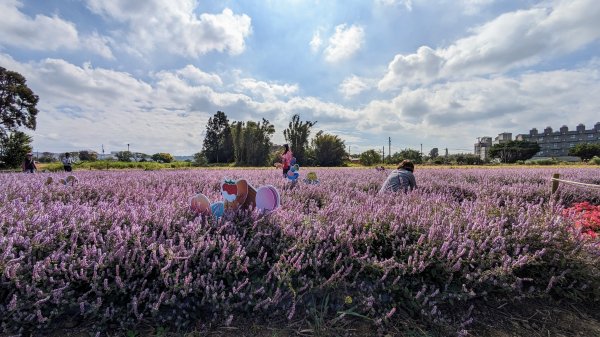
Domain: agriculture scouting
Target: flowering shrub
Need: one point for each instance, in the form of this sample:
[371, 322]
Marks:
[587, 218]
[125, 247]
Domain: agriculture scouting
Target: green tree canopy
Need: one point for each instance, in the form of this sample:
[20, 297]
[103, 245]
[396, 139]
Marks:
[434, 152]
[124, 156]
[370, 157]
[17, 103]
[163, 157]
[14, 148]
[410, 154]
[88, 155]
[252, 142]
[297, 135]
[218, 144]
[514, 150]
[329, 150]
[585, 151]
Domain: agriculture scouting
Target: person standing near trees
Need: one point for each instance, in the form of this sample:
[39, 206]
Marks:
[286, 159]
[29, 165]
[401, 178]
[68, 162]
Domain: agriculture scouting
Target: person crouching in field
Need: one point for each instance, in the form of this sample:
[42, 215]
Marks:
[400, 179]
[29, 165]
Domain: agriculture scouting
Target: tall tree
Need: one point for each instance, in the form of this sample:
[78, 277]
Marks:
[434, 153]
[17, 103]
[370, 157]
[252, 142]
[514, 150]
[218, 141]
[88, 155]
[297, 135]
[329, 149]
[585, 151]
[409, 154]
[14, 148]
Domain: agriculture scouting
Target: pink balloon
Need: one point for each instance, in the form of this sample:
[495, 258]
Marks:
[267, 198]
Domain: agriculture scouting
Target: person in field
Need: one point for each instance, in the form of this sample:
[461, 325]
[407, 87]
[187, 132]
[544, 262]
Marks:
[401, 179]
[29, 165]
[67, 162]
[286, 159]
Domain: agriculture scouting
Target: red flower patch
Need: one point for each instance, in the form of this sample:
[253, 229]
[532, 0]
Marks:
[586, 216]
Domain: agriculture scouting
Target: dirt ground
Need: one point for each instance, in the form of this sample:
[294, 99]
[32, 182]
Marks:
[524, 319]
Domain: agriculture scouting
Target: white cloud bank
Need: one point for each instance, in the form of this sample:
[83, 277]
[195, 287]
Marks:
[512, 40]
[344, 43]
[174, 26]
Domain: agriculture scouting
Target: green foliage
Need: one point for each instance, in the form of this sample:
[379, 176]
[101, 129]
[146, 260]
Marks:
[116, 165]
[594, 161]
[88, 156]
[434, 153]
[465, 159]
[297, 135]
[585, 151]
[329, 150]
[162, 157]
[252, 142]
[199, 159]
[514, 150]
[124, 156]
[13, 149]
[370, 157]
[17, 103]
[218, 144]
[46, 157]
[410, 154]
[543, 162]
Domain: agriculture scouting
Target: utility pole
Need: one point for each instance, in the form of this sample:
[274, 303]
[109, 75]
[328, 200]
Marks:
[383, 154]
[421, 149]
[389, 149]
[127, 147]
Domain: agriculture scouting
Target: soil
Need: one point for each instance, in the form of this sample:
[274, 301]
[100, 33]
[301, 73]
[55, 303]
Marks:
[497, 319]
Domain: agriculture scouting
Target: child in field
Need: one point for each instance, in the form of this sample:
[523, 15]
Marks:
[286, 159]
[400, 179]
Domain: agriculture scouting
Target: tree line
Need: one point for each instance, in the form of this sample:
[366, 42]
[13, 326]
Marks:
[248, 143]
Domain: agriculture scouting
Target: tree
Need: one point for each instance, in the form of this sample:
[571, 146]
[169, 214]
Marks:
[370, 157]
[199, 159]
[124, 156]
[252, 142]
[14, 148]
[46, 157]
[434, 153]
[17, 103]
[88, 155]
[329, 150]
[410, 154]
[162, 157]
[514, 150]
[218, 143]
[585, 151]
[297, 135]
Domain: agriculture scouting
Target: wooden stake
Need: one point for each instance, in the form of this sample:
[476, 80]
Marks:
[555, 182]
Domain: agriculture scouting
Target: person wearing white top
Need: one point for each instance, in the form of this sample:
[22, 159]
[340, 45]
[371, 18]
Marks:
[68, 162]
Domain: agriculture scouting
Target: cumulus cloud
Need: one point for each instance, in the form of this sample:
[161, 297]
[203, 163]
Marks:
[269, 91]
[45, 33]
[512, 40]
[344, 43]
[353, 85]
[175, 27]
[472, 7]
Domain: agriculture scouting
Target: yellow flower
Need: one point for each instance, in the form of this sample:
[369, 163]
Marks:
[348, 299]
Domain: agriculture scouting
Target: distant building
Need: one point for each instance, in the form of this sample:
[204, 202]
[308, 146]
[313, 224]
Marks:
[482, 147]
[558, 143]
[504, 137]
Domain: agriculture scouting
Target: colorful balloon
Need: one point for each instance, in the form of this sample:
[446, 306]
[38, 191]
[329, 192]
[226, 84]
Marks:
[267, 198]
[217, 209]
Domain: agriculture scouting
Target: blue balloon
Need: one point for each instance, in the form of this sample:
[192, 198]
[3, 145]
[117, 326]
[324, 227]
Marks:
[217, 209]
[293, 161]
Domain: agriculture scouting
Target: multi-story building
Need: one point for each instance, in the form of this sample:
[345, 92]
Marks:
[501, 138]
[558, 143]
[482, 147]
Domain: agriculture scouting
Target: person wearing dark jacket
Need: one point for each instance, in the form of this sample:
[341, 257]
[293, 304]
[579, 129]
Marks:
[29, 165]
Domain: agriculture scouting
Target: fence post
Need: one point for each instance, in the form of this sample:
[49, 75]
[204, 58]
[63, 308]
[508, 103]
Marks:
[554, 182]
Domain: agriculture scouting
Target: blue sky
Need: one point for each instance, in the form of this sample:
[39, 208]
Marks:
[437, 73]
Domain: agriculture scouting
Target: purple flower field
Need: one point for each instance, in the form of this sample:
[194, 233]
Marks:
[124, 246]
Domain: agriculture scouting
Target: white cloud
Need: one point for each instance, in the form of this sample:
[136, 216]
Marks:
[472, 7]
[353, 85]
[45, 33]
[197, 76]
[344, 43]
[173, 26]
[405, 3]
[269, 91]
[512, 40]
[316, 42]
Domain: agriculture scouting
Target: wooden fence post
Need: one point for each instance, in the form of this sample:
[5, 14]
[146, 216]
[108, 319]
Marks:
[555, 182]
